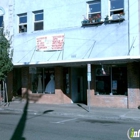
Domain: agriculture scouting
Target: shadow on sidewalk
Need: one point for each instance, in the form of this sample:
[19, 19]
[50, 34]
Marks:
[82, 107]
[17, 135]
[45, 112]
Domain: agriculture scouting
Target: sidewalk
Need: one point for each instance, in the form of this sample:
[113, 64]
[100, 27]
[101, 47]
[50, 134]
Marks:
[76, 110]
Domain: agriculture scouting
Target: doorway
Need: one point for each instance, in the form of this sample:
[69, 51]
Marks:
[17, 81]
[78, 85]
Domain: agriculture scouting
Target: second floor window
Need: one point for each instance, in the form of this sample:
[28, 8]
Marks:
[1, 21]
[22, 23]
[94, 10]
[116, 7]
[38, 20]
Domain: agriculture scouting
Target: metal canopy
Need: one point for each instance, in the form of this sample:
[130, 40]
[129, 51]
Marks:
[76, 62]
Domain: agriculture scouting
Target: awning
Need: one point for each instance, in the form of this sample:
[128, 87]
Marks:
[107, 60]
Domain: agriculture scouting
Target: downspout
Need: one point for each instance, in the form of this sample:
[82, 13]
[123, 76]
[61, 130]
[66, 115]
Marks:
[139, 23]
[128, 30]
[128, 54]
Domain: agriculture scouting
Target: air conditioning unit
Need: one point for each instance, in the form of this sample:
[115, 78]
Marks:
[115, 16]
[23, 28]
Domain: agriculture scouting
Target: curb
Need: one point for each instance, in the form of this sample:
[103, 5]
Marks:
[79, 115]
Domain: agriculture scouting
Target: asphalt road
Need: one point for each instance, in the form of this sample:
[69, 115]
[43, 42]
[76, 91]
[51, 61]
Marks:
[49, 126]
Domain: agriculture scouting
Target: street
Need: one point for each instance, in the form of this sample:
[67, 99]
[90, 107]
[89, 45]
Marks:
[49, 125]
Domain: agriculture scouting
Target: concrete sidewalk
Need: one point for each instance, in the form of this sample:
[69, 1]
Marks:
[76, 110]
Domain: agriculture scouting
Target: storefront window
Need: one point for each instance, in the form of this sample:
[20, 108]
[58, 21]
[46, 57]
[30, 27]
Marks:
[42, 80]
[103, 81]
[111, 80]
[119, 80]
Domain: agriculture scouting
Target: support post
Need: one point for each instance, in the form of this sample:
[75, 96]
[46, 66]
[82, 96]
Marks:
[6, 94]
[3, 91]
[88, 80]
[0, 95]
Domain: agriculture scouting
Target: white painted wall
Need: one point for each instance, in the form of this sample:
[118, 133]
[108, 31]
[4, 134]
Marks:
[63, 16]
[134, 27]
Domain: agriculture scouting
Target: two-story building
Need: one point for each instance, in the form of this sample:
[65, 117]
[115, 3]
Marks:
[76, 52]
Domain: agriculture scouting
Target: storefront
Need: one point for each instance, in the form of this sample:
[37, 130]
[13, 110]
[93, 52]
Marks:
[115, 85]
[109, 86]
[112, 85]
[51, 84]
[43, 84]
[111, 80]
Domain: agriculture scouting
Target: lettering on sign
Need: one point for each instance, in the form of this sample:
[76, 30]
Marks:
[50, 42]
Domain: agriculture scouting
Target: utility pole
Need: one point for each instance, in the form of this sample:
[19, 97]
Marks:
[88, 80]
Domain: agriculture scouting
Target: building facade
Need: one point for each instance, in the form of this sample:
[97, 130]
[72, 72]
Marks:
[76, 52]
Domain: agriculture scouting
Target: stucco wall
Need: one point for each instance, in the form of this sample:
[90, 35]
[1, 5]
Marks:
[134, 27]
[65, 17]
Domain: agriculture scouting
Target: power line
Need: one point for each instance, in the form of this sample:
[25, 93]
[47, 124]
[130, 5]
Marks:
[32, 55]
[25, 55]
[83, 45]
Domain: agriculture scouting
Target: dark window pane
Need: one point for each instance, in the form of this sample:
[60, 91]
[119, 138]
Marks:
[95, 7]
[117, 4]
[116, 12]
[39, 17]
[23, 19]
[1, 21]
[38, 26]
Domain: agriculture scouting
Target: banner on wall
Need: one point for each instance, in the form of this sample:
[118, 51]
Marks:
[50, 42]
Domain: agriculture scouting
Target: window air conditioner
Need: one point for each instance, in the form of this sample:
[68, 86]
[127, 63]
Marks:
[23, 28]
[115, 16]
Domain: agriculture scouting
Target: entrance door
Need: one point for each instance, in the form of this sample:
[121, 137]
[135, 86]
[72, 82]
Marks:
[78, 85]
[17, 81]
[80, 89]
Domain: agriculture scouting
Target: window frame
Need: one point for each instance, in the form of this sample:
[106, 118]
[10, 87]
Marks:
[96, 15]
[22, 26]
[117, 10]
[38, 21]
[45, 77]
[109, 78]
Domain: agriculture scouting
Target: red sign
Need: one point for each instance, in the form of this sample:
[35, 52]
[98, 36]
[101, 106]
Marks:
[50, 42]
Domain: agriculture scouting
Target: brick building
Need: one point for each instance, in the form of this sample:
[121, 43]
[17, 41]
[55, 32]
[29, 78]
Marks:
[55, 41]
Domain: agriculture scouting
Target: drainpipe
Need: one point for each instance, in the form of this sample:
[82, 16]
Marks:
[128, 50]
[128, 30]
[139, 23]
[111, 79]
